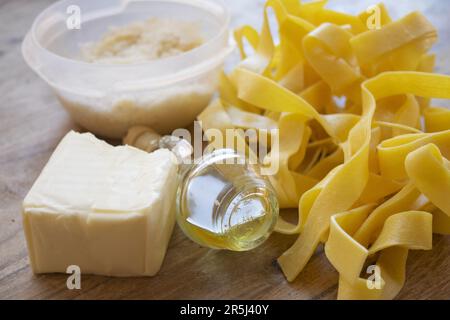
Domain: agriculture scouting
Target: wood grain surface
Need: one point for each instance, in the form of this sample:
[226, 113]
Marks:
[31, 125]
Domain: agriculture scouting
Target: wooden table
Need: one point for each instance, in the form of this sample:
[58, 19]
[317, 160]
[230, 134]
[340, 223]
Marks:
[31, 125]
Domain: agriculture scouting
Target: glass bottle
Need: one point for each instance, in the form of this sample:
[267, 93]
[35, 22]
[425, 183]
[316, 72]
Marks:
[223, 202]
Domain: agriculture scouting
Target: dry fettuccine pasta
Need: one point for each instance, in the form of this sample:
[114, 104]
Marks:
[370, 175]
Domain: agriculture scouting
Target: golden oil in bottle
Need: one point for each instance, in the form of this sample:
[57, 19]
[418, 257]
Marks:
[224, 203]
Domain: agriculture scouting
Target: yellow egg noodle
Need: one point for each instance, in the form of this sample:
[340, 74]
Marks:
[362, 153]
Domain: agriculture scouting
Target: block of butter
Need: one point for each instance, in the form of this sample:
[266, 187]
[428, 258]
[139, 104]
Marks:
[108, 210]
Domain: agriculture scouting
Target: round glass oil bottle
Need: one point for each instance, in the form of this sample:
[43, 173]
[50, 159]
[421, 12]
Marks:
[224, 202]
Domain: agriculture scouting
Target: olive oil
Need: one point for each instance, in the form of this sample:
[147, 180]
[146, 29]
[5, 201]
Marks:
[224, 203]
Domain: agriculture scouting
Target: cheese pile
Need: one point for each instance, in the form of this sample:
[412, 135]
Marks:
[143, 41]
[362, 153]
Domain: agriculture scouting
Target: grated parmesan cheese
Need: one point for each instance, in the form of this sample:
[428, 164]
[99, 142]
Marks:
[152, 39]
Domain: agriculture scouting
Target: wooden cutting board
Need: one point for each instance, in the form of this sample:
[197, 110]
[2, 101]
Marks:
[31, 125]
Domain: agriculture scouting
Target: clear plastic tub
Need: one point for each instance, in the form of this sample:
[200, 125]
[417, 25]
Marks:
[107, 99]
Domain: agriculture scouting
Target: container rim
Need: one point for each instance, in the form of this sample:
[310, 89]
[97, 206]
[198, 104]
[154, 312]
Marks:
[74, 62]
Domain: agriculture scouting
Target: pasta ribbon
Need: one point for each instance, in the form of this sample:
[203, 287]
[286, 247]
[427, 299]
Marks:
[434, 182]
[362, 153]
[436, 119]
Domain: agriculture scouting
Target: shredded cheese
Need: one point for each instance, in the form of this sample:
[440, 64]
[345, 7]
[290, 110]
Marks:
[143, 41]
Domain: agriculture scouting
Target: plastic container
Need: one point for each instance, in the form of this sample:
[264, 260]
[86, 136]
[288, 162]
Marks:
[107, 99]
